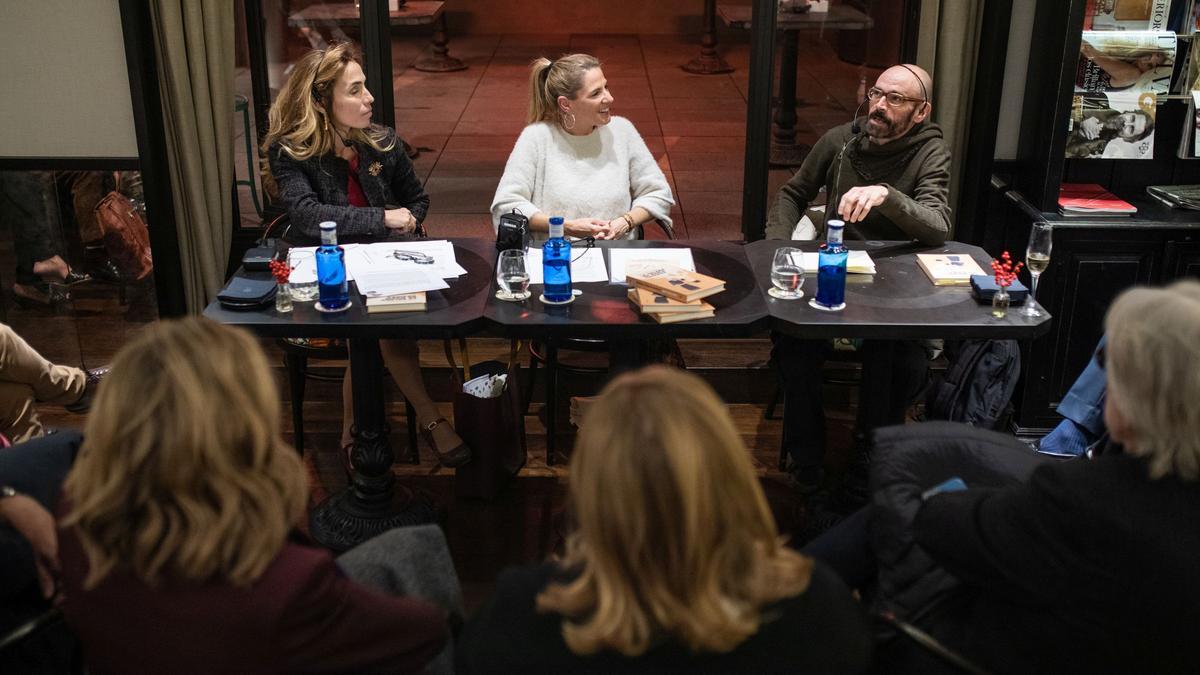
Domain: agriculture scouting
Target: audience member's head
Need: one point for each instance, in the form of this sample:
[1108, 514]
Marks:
[554, 86]
[674, 535]
[326, 95]
[1152, 358]
[183, 474]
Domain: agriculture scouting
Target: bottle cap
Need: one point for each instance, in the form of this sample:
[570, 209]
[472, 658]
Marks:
[328, 225]
[836, 224]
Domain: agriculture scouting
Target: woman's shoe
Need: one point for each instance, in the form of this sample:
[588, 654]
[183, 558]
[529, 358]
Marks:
[33, 296]
[454, 457]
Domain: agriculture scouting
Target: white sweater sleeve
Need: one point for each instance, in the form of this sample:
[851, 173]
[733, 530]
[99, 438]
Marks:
[647, 185]
[515, 190]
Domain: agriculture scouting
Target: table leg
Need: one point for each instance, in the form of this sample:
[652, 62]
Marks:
[709, 62]
[785, 151]
[440, 60]
[373, 503]
[551, 399]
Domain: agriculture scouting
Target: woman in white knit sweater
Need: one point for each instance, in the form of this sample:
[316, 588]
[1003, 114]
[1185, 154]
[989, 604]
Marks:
[575, 160]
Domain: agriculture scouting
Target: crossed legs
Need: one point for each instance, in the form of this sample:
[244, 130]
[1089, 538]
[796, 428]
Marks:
[25, 378]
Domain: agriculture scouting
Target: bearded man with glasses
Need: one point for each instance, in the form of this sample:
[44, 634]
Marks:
[887, 175]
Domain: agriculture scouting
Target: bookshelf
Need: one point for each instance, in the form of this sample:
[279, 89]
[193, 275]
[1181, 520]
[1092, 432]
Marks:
[1094, 259]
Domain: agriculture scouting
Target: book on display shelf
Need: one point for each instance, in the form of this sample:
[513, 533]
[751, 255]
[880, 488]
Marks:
[1089, 199]
[1126, 15]
[948, 269]
[1176, 196]
[401, 302]
[1115, 125]
[1125, 61]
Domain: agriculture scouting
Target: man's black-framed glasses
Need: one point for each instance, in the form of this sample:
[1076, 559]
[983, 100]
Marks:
[893, 98]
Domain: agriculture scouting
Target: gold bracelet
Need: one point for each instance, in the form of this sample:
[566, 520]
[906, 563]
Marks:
[629, 219]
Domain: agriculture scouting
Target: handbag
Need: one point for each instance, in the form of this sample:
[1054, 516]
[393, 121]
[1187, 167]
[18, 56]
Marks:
[493, 427]
[126, 238]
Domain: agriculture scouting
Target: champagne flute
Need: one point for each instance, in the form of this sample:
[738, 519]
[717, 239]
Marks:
[1037, 259]
[511, 276]
[787, 274]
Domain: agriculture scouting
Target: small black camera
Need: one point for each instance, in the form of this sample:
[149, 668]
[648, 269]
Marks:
[513, 232]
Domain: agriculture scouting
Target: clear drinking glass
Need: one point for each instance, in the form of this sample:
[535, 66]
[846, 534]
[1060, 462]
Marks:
[511, 276]
[1037, 259]
[787, 274]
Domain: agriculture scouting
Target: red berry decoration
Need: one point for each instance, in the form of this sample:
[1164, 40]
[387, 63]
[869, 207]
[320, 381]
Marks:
[280, 270]
[1005, 270]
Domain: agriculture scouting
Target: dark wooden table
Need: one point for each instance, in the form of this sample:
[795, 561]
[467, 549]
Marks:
[898, 303]
[785, 151]
[374, 503]
[412, 13]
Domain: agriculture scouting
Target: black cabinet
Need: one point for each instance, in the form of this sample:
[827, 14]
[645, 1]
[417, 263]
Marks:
[1091, 264]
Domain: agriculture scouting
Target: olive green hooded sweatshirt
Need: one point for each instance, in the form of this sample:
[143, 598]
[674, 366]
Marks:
[915, 169]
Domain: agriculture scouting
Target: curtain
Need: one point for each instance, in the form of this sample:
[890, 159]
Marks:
[948, 47]
[195, 55]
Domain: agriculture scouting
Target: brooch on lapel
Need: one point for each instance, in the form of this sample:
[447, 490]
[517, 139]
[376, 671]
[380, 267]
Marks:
[375, 168]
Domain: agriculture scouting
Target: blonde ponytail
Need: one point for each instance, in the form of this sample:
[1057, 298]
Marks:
[549, 80]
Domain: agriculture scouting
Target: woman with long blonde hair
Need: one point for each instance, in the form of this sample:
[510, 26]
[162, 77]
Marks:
[676, 563]
[577, 160]
[329, 162]
[177, 519]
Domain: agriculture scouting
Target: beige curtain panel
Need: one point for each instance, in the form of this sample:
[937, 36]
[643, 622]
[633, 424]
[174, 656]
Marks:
[948, 48]
[194, 47]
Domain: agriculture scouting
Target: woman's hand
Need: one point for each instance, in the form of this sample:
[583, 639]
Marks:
[400, 220]
[37, 526]
[585, 227]
[614, 229]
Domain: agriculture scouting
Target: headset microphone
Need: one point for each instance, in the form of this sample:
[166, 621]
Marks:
[855, 127]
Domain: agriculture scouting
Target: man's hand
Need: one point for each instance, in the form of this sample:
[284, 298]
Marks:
[400, 220]
[585, 227]
[1090, 128]
[858, 202]
[37, 526]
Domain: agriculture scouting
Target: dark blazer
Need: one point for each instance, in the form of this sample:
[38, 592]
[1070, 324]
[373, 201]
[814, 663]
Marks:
[302, 615]
[819, 631]
[1089, 567]
[314, 190]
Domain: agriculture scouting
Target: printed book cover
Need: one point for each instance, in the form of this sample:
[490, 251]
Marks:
[676, 283]
[1125, 61]
[1116, 125]
[948, 269]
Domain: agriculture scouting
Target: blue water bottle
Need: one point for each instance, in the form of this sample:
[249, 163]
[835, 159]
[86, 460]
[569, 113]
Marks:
[556, 264]
[332, 288]
[831, 270]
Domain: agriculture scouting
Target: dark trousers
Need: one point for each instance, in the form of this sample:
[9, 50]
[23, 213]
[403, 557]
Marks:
[893, 373]
[846, 548]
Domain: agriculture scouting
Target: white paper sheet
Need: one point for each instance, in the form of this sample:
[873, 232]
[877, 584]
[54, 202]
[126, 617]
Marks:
[303, 262]
[375, 284]
[379, 256]
[585, 267]
[619, 258]
[859, 262]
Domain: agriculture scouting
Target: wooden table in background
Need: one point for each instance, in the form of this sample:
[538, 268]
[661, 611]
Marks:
[785, 151]
[413, 13]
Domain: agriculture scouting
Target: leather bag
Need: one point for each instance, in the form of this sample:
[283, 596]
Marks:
[126, 238]
[494, 428]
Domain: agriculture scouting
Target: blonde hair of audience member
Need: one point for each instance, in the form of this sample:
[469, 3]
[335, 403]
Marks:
[1152, 359]
[183, 473]
[548, 80]
[301, 120]
[674, 534]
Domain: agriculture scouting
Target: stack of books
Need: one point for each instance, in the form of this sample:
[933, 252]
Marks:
[401, 302]
[1176, 196]
[1083, 200]
[670, 296]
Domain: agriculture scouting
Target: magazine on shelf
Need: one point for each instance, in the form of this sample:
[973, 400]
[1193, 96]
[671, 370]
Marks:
[1116, 125]
[1125, 61]
[1090, 199]
[1189, 138]
[1127, 14]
